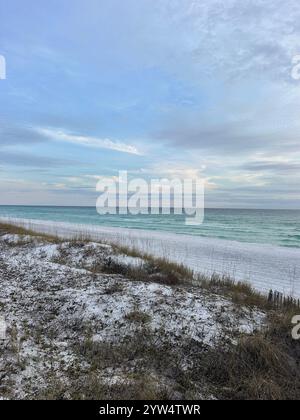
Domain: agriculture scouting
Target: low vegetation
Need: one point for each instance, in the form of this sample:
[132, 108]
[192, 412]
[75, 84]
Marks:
[241, 293]
[6, 228]
[262, 365]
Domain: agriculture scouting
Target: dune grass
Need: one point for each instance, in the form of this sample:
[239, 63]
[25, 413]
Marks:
[263, 365]
[6, 228]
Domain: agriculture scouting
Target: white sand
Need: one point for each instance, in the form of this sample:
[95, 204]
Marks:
[265, 266]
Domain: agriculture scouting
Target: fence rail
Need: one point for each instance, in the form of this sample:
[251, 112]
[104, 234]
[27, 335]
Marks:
[279, 300]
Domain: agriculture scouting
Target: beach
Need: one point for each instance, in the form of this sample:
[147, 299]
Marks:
[264, 266]
[84, 320]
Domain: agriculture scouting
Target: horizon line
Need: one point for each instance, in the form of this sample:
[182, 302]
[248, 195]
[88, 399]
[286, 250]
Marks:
[172, 208]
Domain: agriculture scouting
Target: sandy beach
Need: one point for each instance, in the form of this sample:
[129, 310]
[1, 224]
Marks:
[264, 266]
[73, 311]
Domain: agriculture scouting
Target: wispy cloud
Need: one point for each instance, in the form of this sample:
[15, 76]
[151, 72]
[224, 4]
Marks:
[22, 159]
[95, 142]
[206, 89]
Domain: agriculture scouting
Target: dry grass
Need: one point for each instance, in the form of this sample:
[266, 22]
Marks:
[6, 228]
[138, 317]
[155, 265]
[241, 293]
[163, 271]
[146, 364]
[115, 288]
[148, 272]
[158, 270]
[90, 386]
[264, 365]
[151, 269]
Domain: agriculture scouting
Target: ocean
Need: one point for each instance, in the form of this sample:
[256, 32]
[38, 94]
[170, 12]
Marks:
[274, 227]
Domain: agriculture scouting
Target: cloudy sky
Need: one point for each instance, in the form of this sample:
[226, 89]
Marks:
[189, 88]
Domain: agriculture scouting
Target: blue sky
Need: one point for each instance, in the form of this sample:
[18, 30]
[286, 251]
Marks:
[164, 88]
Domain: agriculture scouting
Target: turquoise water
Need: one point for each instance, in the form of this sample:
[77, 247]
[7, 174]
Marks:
[276, 227]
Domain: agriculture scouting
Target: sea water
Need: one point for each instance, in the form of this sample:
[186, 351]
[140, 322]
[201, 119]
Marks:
[275, 227]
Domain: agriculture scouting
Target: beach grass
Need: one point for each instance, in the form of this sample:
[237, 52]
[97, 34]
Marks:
[12, 229]
[261, 365]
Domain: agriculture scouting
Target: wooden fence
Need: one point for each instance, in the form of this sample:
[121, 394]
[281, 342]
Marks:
[279, 300]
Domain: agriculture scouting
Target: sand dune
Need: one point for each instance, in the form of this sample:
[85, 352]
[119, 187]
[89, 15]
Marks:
[264, 266]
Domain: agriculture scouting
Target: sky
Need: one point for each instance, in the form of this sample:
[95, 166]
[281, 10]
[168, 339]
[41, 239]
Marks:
[201, 89]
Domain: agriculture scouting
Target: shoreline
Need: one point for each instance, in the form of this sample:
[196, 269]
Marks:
[85, 320]
[263, 266]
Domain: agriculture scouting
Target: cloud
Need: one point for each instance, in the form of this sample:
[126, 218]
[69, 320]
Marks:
[238, 58]
[17, 191]
[242, 39]
[87, 141]
[217, 137]
[239, 124]
[277, 167]
[30, 160]
[206, 84]
[11, 134]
